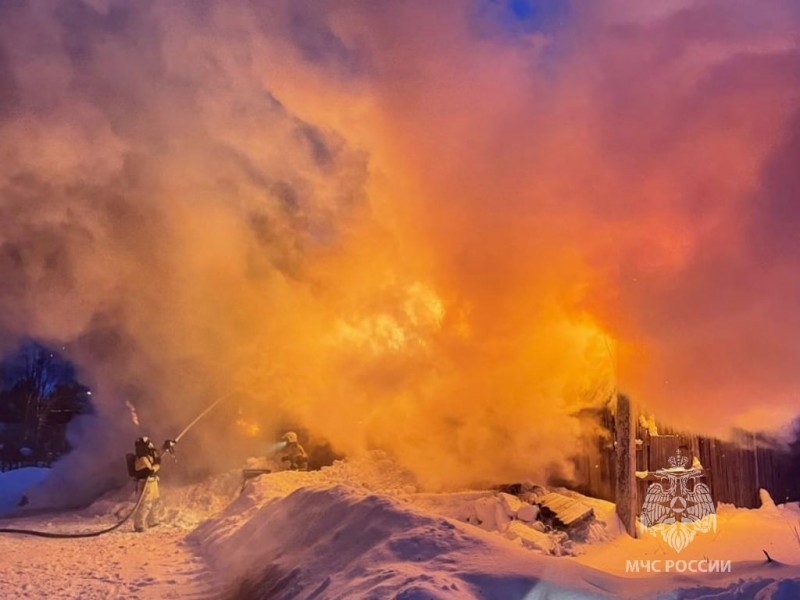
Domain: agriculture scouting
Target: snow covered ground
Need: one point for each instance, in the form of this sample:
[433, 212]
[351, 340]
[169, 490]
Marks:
[361, 530]
[158, 564]
[121, 564]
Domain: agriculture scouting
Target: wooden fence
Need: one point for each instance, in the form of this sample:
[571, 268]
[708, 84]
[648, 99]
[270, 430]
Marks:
[735, 471]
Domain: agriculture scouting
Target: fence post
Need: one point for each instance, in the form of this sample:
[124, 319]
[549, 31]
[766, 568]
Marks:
[625, 484]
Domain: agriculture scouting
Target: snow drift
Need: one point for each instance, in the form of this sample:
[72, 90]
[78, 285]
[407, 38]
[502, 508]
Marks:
[334, 540]
[359, 529]
[331, 542]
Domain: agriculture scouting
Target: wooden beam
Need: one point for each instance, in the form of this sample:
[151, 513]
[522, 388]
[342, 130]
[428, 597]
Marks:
[625, 484]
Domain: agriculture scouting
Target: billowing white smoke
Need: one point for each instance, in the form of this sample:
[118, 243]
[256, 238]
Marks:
[159, 207]
[411, 225]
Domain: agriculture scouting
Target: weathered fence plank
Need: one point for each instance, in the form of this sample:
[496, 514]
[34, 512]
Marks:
[625, 487]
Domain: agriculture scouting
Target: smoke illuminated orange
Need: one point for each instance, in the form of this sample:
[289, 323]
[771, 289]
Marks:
[411, 225]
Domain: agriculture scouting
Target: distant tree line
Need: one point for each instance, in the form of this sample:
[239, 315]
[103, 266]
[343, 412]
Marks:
[40, 395]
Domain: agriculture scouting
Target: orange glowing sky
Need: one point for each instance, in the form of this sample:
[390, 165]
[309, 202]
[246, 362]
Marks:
[439, 228]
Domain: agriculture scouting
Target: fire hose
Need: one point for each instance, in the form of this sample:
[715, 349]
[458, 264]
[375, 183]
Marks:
[168, 447]
[86, 534]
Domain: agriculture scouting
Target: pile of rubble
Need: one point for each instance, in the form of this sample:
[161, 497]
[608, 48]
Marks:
[544, 521]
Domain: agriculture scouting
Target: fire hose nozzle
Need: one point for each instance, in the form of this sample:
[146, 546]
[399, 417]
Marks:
[169, 446]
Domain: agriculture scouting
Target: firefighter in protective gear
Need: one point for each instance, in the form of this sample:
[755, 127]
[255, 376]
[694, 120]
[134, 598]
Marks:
[293, 453]
[146, 466]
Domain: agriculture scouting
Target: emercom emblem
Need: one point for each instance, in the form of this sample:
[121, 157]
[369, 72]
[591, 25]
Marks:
[678, 505]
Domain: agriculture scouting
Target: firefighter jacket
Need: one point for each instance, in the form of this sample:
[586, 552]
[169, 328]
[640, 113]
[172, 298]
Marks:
[146, 466]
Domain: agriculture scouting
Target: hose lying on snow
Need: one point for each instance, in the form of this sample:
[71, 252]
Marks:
[85, 534]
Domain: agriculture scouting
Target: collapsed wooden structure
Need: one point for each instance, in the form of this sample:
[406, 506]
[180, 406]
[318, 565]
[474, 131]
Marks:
[566, 512]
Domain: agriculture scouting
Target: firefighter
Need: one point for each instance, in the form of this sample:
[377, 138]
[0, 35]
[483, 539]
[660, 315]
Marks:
[293, 453]
[146, 467]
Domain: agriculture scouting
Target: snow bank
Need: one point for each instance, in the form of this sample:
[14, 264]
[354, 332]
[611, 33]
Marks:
[358, 530]
[14, 484]
[339, 541]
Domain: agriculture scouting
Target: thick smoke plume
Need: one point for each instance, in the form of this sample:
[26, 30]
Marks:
[439, 228]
